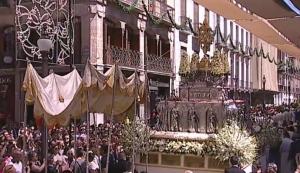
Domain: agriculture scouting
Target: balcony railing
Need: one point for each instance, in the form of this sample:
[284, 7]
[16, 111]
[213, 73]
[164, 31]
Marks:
[158, 63]
[159, 9]
[125, 57]
[139, 4]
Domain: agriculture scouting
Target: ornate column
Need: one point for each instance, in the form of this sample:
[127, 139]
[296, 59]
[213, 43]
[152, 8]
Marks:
[141, 24]
[96, 35]
[171, 41]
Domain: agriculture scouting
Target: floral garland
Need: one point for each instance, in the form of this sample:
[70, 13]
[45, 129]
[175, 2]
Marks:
[231, 140]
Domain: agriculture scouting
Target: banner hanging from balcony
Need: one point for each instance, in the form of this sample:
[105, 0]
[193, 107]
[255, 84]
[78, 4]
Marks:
[58, 98]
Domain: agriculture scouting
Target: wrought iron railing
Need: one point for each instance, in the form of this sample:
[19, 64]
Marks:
[125, 57]
[137, 3]
[159, 9]
[158, 63]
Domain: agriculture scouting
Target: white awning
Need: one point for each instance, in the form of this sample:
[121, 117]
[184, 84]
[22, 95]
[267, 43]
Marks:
[257, 25]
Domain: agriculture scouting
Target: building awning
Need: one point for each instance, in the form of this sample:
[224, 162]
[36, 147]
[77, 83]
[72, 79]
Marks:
[280, 30]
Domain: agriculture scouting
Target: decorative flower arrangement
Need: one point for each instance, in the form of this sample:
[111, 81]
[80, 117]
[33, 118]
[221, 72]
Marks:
[136, 135]
[268, 135]
[179, 146]
[219, 64]
[184, 68]
[194, 63]
[226, 66]
[204, 64]
[232, 140]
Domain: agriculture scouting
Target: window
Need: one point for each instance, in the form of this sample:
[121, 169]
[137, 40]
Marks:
[225, 27]
[247, 70]
[247, 38]
[183, 8]
[196, 16]
[242, 69]
[237, 66]
[207, 14]
[231, 30]
[242, 36]
[237, 34]
[232, 67]
[218, 24]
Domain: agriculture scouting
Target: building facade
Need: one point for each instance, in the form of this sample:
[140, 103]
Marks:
[142, 35]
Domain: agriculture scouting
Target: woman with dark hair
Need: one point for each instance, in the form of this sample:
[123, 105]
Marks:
[34, 165]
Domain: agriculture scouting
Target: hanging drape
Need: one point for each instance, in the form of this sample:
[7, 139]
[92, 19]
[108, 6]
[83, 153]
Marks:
[58, 98]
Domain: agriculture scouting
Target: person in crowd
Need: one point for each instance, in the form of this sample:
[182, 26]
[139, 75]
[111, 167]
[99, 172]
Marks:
[17, 161]
[34, 165]
[285, 165]
[79, 165]
[297, 169]
[235, 168]
[272, 168]
[9, 169]
[93, 166]
[295, 149]
[52, 166]
[123, 165]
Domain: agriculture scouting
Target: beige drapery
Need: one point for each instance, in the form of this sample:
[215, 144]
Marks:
[58, 98]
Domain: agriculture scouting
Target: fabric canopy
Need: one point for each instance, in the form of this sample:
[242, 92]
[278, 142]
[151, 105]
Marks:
[58, 98]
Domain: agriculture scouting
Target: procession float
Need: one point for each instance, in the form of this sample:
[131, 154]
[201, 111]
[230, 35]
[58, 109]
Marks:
[190, 130]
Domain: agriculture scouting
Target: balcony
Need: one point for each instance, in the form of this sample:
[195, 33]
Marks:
[159, 10]
[125, 57]
[158, 63]
[138, 3]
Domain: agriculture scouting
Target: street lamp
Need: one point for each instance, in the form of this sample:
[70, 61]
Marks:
[264, 89]
[44, 45]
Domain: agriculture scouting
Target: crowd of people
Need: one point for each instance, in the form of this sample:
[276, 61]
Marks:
[21, 150]
[71, 150]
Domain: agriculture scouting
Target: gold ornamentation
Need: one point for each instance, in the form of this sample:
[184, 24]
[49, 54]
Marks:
[204, 64]
[184, 67]
[194, 63]
[206, 36]
[219, 64]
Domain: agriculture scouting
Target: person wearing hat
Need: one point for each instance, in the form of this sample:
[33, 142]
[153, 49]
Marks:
[234, 161]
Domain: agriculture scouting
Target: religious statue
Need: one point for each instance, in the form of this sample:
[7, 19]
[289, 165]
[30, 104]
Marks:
[189, 120]
[195, 121]
[175, 120]
[211, 121]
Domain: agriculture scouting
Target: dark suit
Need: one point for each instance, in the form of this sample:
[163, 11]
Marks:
[234, 169]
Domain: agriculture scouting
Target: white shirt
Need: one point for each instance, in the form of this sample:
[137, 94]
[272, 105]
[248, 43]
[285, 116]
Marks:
[93, 165]
[18, 166]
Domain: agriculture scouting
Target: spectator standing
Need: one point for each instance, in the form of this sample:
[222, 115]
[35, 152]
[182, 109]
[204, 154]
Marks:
[234, 161]
[285, 164]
